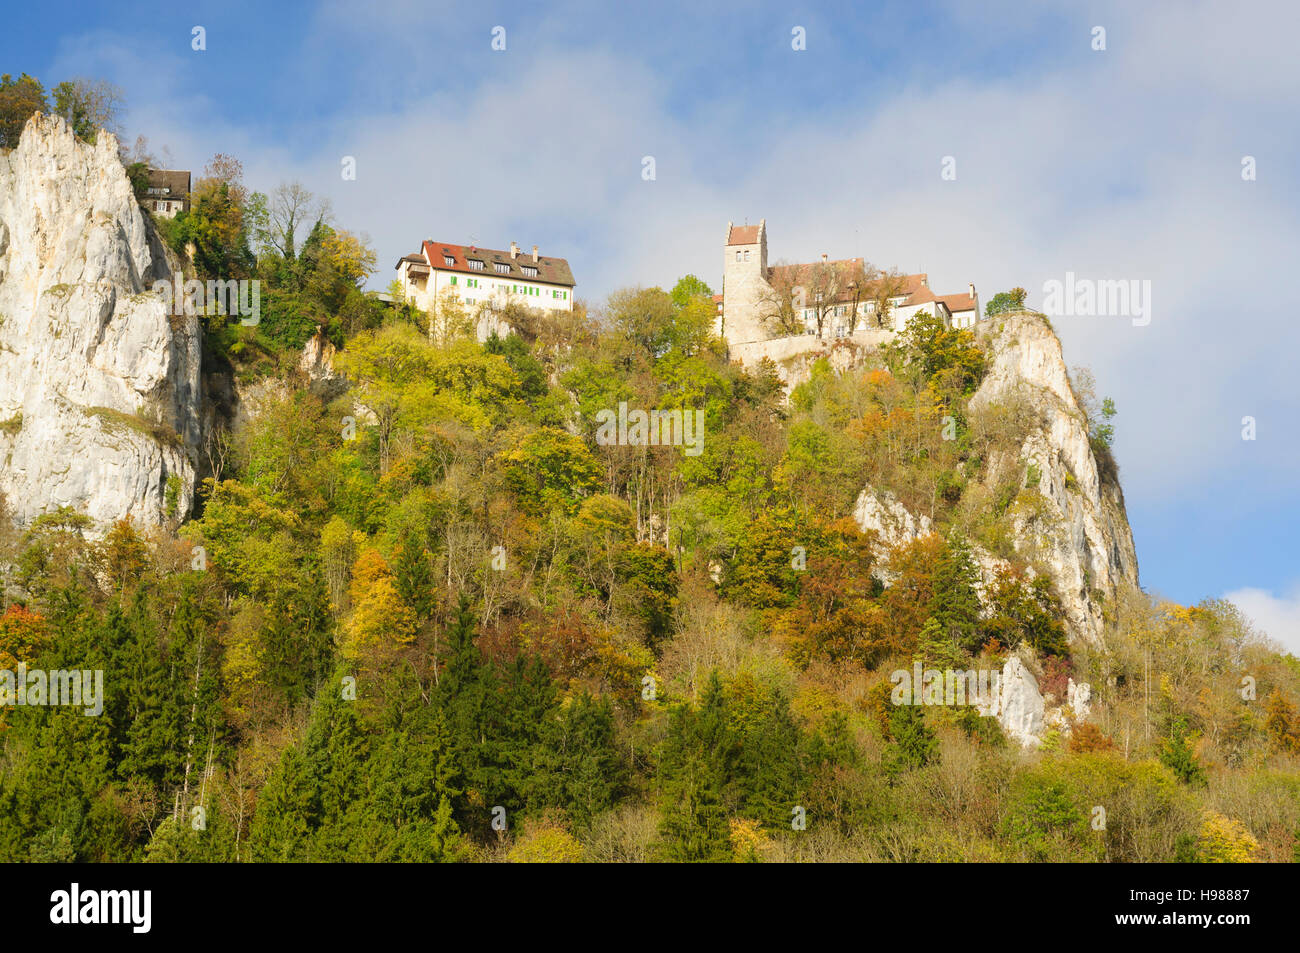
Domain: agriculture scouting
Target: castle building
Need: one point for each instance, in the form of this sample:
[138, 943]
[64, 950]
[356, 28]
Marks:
[485, 276]
[745, 287]
[836, 298]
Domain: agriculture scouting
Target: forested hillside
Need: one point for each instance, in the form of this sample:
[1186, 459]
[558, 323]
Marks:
[420, 614]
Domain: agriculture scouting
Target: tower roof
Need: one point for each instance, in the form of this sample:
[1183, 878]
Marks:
[742, 235]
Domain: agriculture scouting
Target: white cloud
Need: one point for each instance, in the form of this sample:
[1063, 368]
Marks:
[1276, 616]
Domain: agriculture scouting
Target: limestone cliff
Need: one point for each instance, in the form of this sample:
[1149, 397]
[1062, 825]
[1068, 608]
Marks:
[99, 384]
[1079, 534]
[1069, 520]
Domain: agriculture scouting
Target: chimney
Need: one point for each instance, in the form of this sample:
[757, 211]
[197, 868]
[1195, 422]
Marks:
[972, 289]
[514, 251]
[534, 254]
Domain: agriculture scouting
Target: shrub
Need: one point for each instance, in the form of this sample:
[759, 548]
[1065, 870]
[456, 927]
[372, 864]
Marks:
[546, 843]
[1225, 841]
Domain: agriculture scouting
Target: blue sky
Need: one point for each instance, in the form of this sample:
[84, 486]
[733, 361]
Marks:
[1115, 164]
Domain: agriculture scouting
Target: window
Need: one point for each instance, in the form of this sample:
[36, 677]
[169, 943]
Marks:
[530, 271]
[475, 264]
[448, 259]
[501, 267]
[746, 255]
[453, 279]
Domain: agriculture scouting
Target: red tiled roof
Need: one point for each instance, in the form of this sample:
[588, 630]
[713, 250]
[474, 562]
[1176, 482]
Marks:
[958, 302]
[850, 269]
[553, 271]
[743, 235]
[921, 295]
[907, 285]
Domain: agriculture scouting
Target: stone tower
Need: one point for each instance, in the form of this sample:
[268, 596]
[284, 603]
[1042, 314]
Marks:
[744, 283]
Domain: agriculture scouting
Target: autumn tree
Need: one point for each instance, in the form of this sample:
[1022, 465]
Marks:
[550, 469]
[1282, 722]
[881, 288]
[1025, 611]
[381, 623]
[23, 636]
[19, 99]
[779, 307]
[89, 105]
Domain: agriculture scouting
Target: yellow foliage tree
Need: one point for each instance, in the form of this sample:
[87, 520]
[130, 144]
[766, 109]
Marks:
[381, 623]
[546, 843]
[749, 842]
[1225, 841]
[348, 255]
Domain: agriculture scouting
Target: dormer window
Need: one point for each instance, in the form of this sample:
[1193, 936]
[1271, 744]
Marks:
[474, 264]
[449, 260]
[530, 271]
[501, 267]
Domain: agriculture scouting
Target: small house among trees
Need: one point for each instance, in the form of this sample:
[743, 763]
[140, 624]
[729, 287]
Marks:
[167, 192]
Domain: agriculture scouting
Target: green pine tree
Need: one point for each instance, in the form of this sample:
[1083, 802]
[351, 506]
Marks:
[694, 768]
[914, 744]
[955, 603]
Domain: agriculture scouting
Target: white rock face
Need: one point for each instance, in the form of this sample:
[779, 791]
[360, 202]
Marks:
[1020, 704]
[894, 524]
[317, 359]
[1082, 537]
[891, 521]
[99, 385]
[1079, 699]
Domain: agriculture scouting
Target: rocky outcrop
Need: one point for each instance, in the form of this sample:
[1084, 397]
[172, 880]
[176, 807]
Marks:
[880, 512]
[99, 384]
[884, 515]
[1078, 534]
[1020, 704]
[1022, 711]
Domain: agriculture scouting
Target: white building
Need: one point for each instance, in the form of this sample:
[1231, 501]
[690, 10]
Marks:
[957, 310]
[485, 277]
